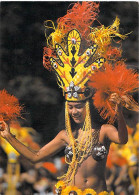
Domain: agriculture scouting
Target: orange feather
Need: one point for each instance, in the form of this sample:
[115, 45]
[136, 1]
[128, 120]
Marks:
[9, 106]
[117, 79]
[81, 16]
[47, 54]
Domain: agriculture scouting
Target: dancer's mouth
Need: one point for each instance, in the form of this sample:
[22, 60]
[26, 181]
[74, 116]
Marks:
[76, 117]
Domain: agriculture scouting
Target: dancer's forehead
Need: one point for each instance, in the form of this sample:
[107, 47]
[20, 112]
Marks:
[76, 103]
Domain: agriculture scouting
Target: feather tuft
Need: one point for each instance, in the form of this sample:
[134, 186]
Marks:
[81, 16]
[9, 106]
[117, 79]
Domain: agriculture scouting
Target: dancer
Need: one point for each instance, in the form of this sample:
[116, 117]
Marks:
[90, 170]
[76, 52]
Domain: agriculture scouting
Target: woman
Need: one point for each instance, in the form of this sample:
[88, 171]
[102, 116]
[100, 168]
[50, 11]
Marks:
[91, 173]
[74, 64]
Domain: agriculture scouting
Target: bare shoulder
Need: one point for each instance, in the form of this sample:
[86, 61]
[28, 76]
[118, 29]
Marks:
[105, 130]
[107, 127]
[62, 135]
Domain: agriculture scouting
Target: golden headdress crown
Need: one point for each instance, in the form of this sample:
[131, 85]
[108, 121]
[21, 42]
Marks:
[73, 70]
[75, 50]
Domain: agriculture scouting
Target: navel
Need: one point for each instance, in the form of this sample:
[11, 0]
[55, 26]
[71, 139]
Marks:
[85, 180]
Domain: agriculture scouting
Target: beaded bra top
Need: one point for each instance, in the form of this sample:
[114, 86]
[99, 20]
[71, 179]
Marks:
[98, 152]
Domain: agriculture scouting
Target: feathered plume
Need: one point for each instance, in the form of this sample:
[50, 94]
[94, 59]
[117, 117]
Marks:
[9, 106]
[81, 16]
[118, 80]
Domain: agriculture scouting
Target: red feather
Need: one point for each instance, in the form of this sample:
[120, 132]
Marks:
[47, 54]
[113, 53]
[9, 106]
[81, 16]
[116, 79]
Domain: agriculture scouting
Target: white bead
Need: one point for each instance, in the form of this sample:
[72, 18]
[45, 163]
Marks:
[88, 53]
[76, 88]
[73, 40]
[93, 67]
[69, 95]
[68, 88]
[71, 84]
[75, 94]
[55, 65]
[59, 53]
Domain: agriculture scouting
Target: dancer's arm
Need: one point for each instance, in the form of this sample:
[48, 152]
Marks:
[34, 156]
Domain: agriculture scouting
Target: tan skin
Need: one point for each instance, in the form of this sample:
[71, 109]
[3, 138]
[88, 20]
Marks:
[91, 173]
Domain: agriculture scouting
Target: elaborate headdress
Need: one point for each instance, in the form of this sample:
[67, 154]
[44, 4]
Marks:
[73, 70]
[76, 51]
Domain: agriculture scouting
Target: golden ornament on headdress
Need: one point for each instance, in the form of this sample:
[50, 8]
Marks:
[73, 70]
[103, 36]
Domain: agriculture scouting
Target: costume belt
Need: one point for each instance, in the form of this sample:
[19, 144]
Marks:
[73, 190]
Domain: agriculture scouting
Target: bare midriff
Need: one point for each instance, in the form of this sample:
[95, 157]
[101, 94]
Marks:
[91, 174]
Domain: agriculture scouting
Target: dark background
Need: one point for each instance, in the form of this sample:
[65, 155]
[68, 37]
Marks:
[21, 69]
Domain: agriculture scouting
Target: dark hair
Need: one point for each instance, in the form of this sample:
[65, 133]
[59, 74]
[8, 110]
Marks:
[96, 119]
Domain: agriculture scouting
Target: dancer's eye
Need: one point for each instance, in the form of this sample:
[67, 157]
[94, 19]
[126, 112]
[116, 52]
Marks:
[70, 107]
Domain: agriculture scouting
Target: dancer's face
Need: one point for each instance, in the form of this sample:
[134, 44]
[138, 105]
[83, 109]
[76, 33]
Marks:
[77, 111]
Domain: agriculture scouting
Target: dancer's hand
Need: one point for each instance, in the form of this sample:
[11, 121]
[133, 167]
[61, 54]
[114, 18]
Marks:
[4, 129]
[130, 104]
[125, 101]
[116, 99]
